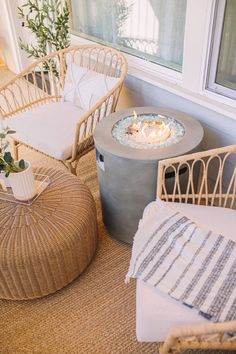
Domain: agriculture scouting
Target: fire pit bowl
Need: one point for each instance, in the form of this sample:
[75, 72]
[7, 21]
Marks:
[148, 131]
[129, 144]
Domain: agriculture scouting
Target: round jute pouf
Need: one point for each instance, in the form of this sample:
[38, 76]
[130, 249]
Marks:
[46, 245]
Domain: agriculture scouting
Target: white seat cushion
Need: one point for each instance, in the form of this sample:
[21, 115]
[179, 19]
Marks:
[85, 87]
[49, 128]
[156, 312]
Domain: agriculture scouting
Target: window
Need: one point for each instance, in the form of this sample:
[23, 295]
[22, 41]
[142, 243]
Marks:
[222, 76]
[185, 47]
[149, 29]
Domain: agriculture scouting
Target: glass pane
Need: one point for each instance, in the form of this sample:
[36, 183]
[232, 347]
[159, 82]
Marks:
[149, 29]
[226, 68]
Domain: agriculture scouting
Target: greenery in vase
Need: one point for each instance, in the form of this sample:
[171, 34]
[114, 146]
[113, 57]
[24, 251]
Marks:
[48, 20]
[7, 163]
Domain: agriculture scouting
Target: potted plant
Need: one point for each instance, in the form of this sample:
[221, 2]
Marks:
[16, 174]
[48, 21]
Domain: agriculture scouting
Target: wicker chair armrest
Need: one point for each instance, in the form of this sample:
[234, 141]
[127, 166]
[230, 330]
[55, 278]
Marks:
[21, 94]
[201, 336]
[88, 122]
[38, 83]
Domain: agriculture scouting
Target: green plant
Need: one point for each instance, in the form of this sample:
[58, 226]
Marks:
[7, 163]
[48, 20]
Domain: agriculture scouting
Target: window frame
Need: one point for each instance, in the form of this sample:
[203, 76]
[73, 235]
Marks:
[191, 84]
[211, 84]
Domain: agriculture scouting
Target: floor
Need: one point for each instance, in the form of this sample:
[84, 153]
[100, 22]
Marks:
[95, 313]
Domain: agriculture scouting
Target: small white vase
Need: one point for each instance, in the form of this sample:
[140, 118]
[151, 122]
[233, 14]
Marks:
[5, 179]
[23, 184]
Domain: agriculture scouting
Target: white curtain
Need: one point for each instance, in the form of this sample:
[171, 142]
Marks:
[151, 29]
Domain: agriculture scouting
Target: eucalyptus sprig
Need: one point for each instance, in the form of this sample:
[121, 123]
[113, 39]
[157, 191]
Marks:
[7, 163]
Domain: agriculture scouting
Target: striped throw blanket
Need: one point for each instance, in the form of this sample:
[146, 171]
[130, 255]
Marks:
[192, 265]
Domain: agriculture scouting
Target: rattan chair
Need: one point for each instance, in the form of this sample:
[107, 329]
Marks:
[218, 165]
[43, 83]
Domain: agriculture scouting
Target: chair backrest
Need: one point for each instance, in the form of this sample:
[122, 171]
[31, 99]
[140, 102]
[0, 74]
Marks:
[100, 59]
[43, 81]
[207, 177]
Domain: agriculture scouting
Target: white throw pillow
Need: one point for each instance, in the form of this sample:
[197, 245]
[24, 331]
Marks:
[85, 87]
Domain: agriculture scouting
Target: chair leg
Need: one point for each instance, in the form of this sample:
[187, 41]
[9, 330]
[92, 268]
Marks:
[72, 166]
[169, 346]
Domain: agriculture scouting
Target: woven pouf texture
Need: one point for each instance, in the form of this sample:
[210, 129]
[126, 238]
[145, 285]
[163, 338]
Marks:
[46, 245]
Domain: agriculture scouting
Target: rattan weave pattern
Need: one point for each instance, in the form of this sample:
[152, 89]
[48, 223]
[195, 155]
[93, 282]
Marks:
[33, 87]
[43, 247]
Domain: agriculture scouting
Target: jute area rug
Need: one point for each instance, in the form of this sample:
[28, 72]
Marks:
[94, 314]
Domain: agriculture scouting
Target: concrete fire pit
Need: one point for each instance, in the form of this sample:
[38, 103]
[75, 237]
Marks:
[127, 172]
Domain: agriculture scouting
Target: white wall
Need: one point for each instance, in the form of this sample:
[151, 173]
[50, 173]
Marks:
[10, 31]
[9, 51]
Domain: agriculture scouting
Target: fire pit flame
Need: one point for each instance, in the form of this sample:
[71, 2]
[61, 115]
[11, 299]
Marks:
[148, 131]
